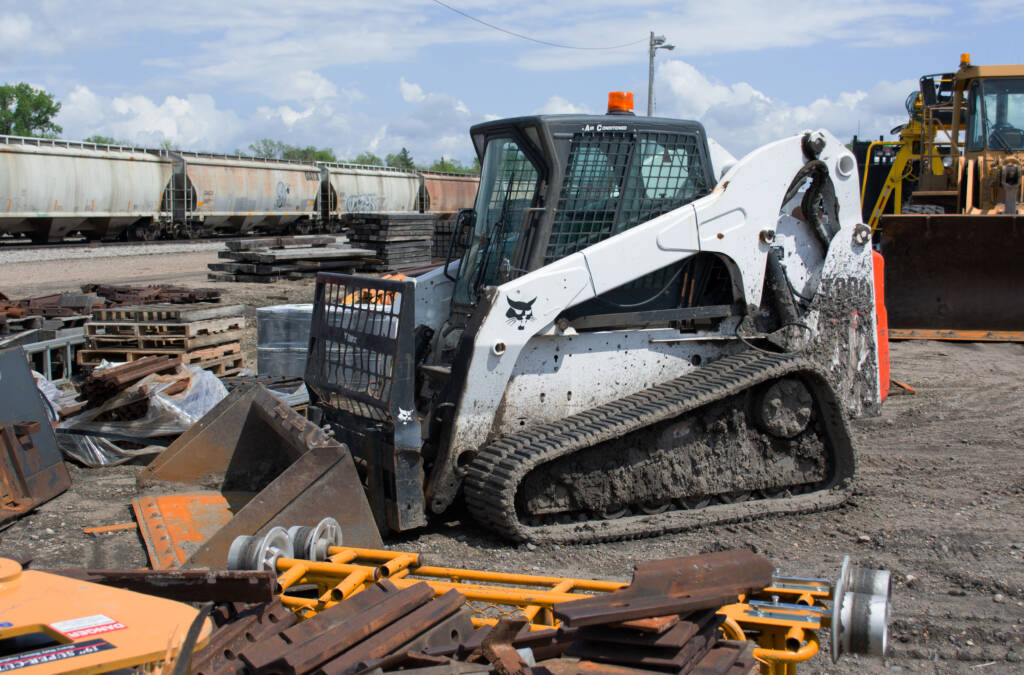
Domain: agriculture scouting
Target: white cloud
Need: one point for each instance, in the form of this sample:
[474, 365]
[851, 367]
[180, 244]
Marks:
[556, 105]
[15, 29]
[433, 126]
[743, 118]
[411, 93]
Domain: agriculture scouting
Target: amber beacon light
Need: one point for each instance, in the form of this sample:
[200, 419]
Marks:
[620, 101]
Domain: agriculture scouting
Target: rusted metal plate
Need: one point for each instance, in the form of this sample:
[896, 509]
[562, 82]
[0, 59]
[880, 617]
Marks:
[32, 469]
[251, 626]
[674, 586]
[351, 628]
[395, 635]
[184, 585]
[954, 272]
[175, 526]
[273, 653]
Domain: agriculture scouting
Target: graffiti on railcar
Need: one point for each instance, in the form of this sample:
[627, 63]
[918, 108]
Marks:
[363, 203]
[282, 195]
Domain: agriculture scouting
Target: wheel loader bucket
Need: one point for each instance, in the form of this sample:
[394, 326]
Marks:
[268, 466]
[954, 276]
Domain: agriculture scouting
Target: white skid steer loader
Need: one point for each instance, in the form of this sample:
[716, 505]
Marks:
[623, 342]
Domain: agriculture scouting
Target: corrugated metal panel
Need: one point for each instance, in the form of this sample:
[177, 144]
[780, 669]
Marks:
[450, 192]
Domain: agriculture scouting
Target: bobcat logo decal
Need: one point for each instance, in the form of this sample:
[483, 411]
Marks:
[405, 416]
[519, 313]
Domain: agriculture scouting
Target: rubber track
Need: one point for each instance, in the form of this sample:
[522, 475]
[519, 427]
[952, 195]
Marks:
[498, 469]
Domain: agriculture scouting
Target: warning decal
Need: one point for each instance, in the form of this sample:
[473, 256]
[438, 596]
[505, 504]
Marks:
[87, 625]
[38, 657]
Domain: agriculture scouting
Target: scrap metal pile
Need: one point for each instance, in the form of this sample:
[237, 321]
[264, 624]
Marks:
[339, 610]
[324, 596]
[52, 328]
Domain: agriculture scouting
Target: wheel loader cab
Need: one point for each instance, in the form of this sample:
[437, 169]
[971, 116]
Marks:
[555, 184]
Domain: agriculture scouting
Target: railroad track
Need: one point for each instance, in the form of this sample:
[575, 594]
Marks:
[20, 244]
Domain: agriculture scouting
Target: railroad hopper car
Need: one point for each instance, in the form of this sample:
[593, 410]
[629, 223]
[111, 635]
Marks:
[238, 195]
[446, 193]
[353, 188]
[50, 189]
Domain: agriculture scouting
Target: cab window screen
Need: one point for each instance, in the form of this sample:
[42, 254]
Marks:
[617, 180]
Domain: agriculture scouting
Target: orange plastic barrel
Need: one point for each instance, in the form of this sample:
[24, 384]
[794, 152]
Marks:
[882, 319]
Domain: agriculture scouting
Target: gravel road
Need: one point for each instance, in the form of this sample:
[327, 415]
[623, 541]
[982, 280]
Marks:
[98, 251]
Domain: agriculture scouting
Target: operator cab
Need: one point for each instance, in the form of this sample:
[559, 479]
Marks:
[552, 185]
[995, 118]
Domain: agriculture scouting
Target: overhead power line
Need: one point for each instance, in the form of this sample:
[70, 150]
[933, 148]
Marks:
[531, 39]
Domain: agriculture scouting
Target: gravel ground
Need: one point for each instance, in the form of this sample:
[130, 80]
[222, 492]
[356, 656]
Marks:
[57, 252]
[939, 501]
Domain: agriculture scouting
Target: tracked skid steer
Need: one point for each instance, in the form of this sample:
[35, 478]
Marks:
[629, 338]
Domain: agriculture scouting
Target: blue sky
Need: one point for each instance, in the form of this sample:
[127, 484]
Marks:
[378, 75]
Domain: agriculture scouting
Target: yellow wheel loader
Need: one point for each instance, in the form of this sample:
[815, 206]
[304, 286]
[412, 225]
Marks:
[945, 204]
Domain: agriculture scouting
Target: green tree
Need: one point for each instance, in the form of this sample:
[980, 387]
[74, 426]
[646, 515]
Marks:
[400, 160]
[27, 111]
[308, 154]
[103, 140]
[268, 148]
[368, 158]
[453, 166]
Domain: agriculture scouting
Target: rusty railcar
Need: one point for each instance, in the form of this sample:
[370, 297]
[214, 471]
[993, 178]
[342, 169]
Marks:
[446, 193]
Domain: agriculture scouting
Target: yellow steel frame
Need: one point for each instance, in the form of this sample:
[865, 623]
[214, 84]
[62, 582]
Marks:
[783, 618]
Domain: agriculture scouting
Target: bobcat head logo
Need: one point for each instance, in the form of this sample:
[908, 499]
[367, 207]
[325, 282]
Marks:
[519, 313]
[405, 416]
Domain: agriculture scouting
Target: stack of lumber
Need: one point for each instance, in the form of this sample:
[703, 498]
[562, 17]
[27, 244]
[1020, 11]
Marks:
[272, 258]
[200, 335]
[444, 232]
[400, 240]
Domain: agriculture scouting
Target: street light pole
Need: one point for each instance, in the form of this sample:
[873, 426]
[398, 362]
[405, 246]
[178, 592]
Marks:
[657, 42]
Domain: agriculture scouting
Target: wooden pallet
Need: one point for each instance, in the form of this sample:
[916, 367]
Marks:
[132, 329]
[168, 313]
[225, 366]
[182, 342]
[91, 357]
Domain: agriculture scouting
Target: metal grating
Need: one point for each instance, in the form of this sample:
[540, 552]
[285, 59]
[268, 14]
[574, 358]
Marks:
[360, 350]
[617, 180]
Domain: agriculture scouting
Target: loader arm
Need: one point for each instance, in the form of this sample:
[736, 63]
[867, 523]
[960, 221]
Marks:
[737, 222]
